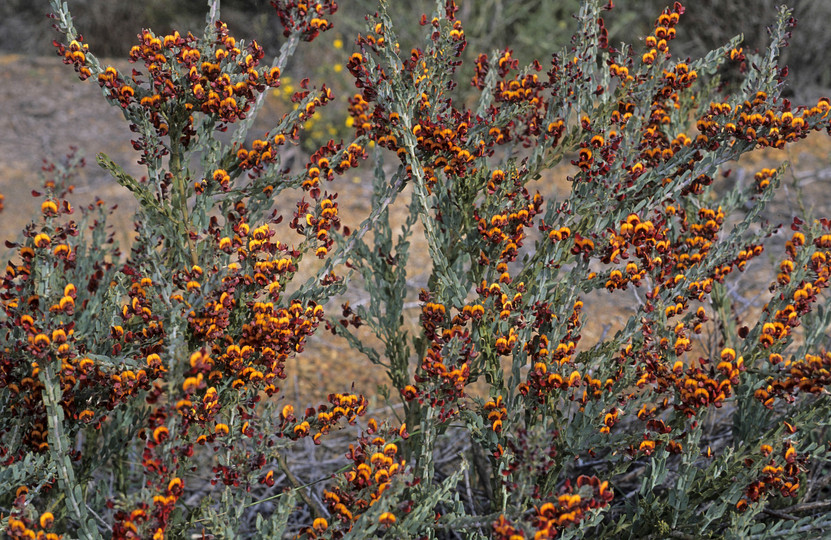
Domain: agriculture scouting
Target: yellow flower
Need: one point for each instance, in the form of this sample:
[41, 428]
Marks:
[338, 43]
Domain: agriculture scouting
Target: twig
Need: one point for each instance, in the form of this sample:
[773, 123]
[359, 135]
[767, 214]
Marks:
[682, 536]
[99, 518]
[674, 534]
[313, 505]
[469, 491]
[482, 471]
[807, 507]
[637, 296]
[477, 522]
[779, 514]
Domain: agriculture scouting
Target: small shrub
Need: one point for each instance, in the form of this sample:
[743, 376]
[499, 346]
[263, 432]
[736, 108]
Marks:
[142, 391]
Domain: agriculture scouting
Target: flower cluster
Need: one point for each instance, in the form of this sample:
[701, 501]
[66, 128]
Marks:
[811, 374]
[185, 75]
[18, 528]
[42, 343]
[445, 369]
[780, 474]
[375, 466]
[755, 121]
[76, 55]
[266, 151]
[305, 19]
[551, 518]
[504, 230]
[146, 521]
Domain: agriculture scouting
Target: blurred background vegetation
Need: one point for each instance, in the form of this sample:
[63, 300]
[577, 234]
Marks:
[533, 28]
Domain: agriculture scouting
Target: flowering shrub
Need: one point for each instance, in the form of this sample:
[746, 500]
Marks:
[159, 371]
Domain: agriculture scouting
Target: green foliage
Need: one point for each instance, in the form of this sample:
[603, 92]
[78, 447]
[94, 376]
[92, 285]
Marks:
[141, 392]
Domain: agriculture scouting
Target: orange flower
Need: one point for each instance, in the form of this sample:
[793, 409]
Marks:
[160, 434]
[42, 240]
[175, 485]
[46, 520]
[49, 208]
